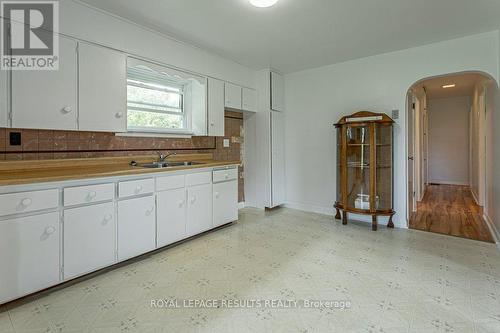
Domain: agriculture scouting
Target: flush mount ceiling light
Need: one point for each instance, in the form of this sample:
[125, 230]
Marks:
[449, 86]
[263, 3]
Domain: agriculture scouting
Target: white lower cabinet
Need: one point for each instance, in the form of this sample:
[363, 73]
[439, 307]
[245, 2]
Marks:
[199, 211]
[29, 255]
[136, 227]
[225, 202]
[89, 239]
[171, 216]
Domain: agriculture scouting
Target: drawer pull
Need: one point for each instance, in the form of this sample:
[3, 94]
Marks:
[91, 196]
[66, 110]
[217, 195]
[138, 189]
[150, 211]
[26, 202]
[50, 230]
[226, 176]
[119, 115]
[193, 200]
[181, 203]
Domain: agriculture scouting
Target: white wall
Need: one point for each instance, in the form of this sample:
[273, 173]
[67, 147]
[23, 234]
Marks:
[84, 22]
[449, 140]
[317, 98]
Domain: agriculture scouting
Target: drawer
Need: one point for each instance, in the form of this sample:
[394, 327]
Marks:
[18, 203]
[198, 178]
[136, 187]
[170, 183]
[224, 175]
[88, 194]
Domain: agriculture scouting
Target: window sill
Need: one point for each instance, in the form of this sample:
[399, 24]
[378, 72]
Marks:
[173, 135]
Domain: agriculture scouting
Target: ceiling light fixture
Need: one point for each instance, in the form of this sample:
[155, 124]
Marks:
[449, 86]
[263, 3]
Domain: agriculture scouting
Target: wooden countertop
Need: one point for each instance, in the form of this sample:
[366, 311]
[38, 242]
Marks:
[42, 171]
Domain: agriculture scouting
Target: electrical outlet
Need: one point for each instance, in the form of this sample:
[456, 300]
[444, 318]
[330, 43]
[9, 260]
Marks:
[15, 138]
[225, 143]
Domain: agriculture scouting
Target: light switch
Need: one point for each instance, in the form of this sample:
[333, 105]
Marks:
[225, 143]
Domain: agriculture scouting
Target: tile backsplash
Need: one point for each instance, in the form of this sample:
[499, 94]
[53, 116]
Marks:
[47, 144]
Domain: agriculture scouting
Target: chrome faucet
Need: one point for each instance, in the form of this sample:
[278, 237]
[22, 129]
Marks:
[163, 157]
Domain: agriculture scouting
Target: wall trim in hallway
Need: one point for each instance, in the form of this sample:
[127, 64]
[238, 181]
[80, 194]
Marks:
[493, 229]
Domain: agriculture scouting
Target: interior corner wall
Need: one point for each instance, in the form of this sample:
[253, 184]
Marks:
[449, 140]
[317, 98]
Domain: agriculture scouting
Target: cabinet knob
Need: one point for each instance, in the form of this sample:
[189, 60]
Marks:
[50, 230]
[91, 196]
[66, 109]
[217, 195]
[26, 202]
[150, 211]
[107, 219]
[138, 189]
[119, 115]
[181, 203]
[226, 176]
[212, 124]
[193, 200]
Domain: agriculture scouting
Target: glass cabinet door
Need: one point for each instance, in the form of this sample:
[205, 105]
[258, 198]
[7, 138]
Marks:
[383, 136]
[358, 166]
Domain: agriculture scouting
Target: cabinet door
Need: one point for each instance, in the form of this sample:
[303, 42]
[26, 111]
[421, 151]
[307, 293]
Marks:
[225, 202]
[215, 107]
[47, 99]
[4, 93]
[171, 217]
[136, 227]
[89, 239]
[29, 255]
[277, 92]
[278, 158]
[249, 100]
[199, 211]
[102, 89]
[233, 96]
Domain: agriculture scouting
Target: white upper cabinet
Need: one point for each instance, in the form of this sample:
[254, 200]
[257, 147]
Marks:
[232, 96]
[215, 107]
[277, 92]
[47, 99]
[4, 102]
[102, 89]
[249, 100]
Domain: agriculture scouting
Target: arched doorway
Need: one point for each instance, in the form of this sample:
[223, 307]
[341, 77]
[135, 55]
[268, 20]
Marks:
[449, 134]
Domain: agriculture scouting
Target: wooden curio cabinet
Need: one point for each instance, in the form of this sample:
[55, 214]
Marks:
[365, 166]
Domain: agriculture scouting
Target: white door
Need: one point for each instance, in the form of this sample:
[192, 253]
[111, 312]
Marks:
[136, 227]
[29, 255]
[89, 239]
[278, 158]
[249, 100]
[225, 202]
[277, 92]
[215, 107]
[47, 99]
[232, 96]
[199, 211]
[412, 205]
[171, 217]
[102, 89]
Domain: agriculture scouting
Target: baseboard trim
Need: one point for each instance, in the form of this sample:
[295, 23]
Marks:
[241, 205]
[474, 196]
[440, 182]
[330, 211]
[493, 229]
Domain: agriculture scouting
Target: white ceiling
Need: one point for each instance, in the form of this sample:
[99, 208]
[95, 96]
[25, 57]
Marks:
[300, 34]
[464, 85]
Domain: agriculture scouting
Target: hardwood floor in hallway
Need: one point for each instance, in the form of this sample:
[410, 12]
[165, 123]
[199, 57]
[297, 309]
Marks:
[451, 210]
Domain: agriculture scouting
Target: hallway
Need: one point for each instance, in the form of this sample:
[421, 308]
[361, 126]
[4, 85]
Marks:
[451, 210]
